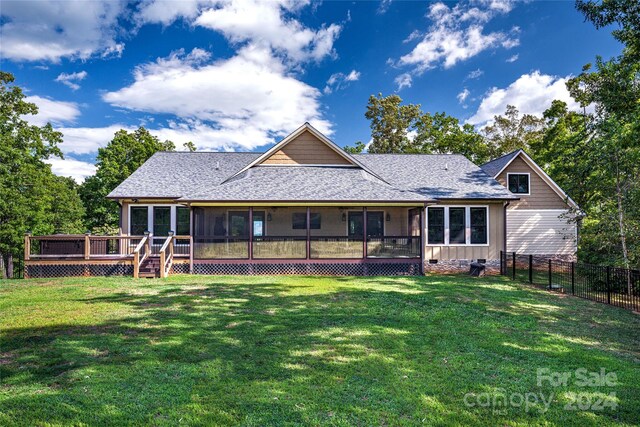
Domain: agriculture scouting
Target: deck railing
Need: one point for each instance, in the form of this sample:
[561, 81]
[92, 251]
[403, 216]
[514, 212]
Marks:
[80, 246]
[335, 247]
[166, 256]
[394, 247]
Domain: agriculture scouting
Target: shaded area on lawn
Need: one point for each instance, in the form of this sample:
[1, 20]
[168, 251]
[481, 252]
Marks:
[271, 350]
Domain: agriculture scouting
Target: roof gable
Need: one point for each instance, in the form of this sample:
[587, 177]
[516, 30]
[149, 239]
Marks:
[306, 149]
[499, 165]
[304, 137]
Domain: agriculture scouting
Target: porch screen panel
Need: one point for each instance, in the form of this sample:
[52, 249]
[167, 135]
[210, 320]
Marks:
[284, 234]
[221, 233]
[375, 224]
[331, 239]
[457, 226]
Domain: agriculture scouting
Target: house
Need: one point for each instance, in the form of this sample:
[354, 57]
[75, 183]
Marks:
[544, 220]
[305, 206]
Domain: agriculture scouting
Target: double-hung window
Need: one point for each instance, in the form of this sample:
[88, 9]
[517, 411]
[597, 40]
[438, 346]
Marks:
[518, 183]
[457, 225]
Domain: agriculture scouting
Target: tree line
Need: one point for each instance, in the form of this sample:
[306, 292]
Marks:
[594, 157]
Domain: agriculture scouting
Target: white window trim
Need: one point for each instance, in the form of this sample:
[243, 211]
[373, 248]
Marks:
[172, 221]
[528, 179]
[467, 225]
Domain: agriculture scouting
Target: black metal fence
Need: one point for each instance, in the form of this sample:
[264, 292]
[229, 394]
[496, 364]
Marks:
[605, 284]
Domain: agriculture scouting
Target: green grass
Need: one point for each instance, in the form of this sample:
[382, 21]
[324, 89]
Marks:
[257, 351]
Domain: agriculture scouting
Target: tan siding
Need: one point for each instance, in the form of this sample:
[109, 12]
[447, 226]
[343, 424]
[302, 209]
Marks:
[542, 195]
[125, 219]
[306, 149]
[543, 232]
[490, 252]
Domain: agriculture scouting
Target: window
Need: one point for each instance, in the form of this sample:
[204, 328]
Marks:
[478, 225]
[457, 226]
[299, 221]
[356, 220]
[375, 224]
[139, 218]
[161, 220]
[239, 224]
[435, 230]
[518, 183]
[183, 221]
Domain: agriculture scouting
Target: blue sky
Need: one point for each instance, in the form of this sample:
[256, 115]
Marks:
[240, 75]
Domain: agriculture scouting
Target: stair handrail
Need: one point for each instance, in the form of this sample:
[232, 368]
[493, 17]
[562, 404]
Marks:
[166, 261]
[141, 247]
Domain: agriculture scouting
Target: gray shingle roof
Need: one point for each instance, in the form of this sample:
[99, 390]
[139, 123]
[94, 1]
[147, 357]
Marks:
[407, 177]
[438, 176]
[494, 167]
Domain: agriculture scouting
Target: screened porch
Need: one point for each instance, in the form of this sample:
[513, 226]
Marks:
[306, 233]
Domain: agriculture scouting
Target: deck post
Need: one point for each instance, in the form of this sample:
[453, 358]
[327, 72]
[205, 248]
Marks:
[250, 233]
[308, 232]
[87, 245]
[422, 239]
[530, 268]
[364, 232]
[27, 246]
[192, 228]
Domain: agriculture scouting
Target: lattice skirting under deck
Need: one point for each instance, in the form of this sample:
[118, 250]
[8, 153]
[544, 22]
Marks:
[324, 269]
[77, 270]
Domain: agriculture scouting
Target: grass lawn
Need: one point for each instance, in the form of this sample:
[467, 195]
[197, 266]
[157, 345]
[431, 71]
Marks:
[301, 350]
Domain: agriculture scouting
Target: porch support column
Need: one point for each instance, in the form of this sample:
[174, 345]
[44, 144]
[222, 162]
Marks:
[308, 232]
[364, 232]
[192, 228]
[250, 233]
[422, 237]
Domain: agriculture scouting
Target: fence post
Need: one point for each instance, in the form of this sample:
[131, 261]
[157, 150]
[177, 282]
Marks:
[549, 273]
[530, 268]
[608, 284]
[87, 245]
[573, 278]
[27, 246]
[501, 264]
[514, 266]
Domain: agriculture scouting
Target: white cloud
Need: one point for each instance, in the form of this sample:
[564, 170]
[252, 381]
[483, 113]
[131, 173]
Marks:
[339, 81]
[49, 110]
[474, 74]
[87, 140]
[244, 101]
[70, 79]
[530, 94]
[384, 6]
[457, 34]
[513, 58]
[51, 30]
[269, 24]
[462, 96]
[76, 169]
[403, 80]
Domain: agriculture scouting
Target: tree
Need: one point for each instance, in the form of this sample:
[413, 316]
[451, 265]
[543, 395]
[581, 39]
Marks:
[443, 134]
[391, 124]
[125, 153]
[32, 198]
[189, 146]
[398, 128]
[512, 131]
[613, 88]
[356, 149]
